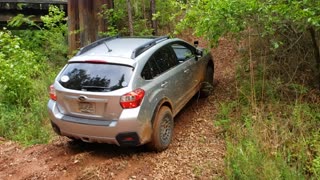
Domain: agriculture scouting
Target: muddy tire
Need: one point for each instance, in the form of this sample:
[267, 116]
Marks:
[207, 85]
[162, 130]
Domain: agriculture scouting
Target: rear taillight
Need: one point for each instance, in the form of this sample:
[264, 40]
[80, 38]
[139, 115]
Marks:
[96, 61]
[132, 99]
[52, 93]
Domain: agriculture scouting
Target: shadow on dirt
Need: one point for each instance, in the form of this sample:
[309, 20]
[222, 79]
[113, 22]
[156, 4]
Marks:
[102, 150]
[182, 121]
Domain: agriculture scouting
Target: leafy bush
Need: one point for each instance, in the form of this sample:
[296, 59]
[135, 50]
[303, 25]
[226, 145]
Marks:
[270, 136]
[167, 14]
[49, 40]
[219, 18]
[54, 36]
[271, 126]
[18, 68]
[28, 63]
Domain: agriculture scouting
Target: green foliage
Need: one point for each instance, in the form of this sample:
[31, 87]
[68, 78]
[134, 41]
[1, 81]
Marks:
[272, 128]
[54, 19]
[18, 67]
[54, 37]
[273, 135]
[24, 125]
[22, 106]
[28, 61]
[167, 15]
[219, 18]
[246, 160]
[223, 119]
[214, 19]
[49, 41]
[20, 19]
[113, 17]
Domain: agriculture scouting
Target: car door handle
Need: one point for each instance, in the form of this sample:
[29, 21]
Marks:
[186, 70]
[164, 84]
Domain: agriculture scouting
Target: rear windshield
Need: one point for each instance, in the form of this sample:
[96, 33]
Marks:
[95, 77]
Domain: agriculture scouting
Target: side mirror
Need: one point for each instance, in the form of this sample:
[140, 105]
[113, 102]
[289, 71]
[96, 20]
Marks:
[199, 52]
[196, 43]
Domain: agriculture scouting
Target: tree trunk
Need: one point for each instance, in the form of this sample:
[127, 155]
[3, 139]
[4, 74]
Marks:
[144, 10]
[154, 23]
[101, 23]
[110, 4]
[83, 20]
[92, 19]
[130, 21]
[316, 52]
[73, 25]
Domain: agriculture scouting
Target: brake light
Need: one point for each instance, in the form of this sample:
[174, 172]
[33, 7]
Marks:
[132, 99]
[52, 93]
[96, 61]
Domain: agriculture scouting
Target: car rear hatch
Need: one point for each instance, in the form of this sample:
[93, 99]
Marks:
[92, 89]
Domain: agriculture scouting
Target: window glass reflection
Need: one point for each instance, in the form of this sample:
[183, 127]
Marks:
[95, 77]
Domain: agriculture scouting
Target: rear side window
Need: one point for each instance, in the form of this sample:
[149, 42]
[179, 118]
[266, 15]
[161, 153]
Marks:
[161, 61]
[151, 69]
[95, 77]
[165, 58]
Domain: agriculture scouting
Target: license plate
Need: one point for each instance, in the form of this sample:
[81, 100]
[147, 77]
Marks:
[86, 107]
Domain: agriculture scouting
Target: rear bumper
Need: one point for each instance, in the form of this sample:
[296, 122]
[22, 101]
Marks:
[127, 130]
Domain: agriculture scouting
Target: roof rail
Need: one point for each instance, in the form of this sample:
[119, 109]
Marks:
[139, 50]
[96, 43]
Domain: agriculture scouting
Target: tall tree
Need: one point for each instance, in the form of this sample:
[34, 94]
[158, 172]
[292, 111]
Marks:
[154, 24]
[101, 23]
[130, 21]
[110, 4]
[73, 25]
[86, 20]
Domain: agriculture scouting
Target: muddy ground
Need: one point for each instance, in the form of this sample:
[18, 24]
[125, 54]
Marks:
[197, 150]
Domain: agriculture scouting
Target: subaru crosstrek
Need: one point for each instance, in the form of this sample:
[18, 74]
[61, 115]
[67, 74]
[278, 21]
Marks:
[127, 90]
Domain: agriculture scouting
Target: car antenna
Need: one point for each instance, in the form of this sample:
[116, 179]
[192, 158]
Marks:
[109, 50]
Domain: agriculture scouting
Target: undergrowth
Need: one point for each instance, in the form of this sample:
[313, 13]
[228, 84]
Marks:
[29, 60]
[272, 124]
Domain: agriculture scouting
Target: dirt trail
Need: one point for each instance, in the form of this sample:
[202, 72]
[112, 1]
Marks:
[197, 150]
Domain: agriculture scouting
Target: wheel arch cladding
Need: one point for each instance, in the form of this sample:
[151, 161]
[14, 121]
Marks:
[163, 102]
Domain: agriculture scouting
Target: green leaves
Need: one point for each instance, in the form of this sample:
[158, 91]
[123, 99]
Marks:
[23, 56]
[54, 18]
[26, 73]
[17, 68]
[20, 19]
[214, 19]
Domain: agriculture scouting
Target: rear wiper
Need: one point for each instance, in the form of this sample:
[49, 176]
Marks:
[96, 88]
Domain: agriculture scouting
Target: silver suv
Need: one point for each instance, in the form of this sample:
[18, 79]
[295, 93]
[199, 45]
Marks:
[127, 90]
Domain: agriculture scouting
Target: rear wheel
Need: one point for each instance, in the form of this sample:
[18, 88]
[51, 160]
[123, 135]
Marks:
[207, 85]
[162, 130]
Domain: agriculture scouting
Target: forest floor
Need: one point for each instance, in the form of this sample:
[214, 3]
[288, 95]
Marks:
[197, 150]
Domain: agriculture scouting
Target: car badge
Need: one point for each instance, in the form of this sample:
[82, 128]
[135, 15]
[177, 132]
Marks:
[82, 98]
